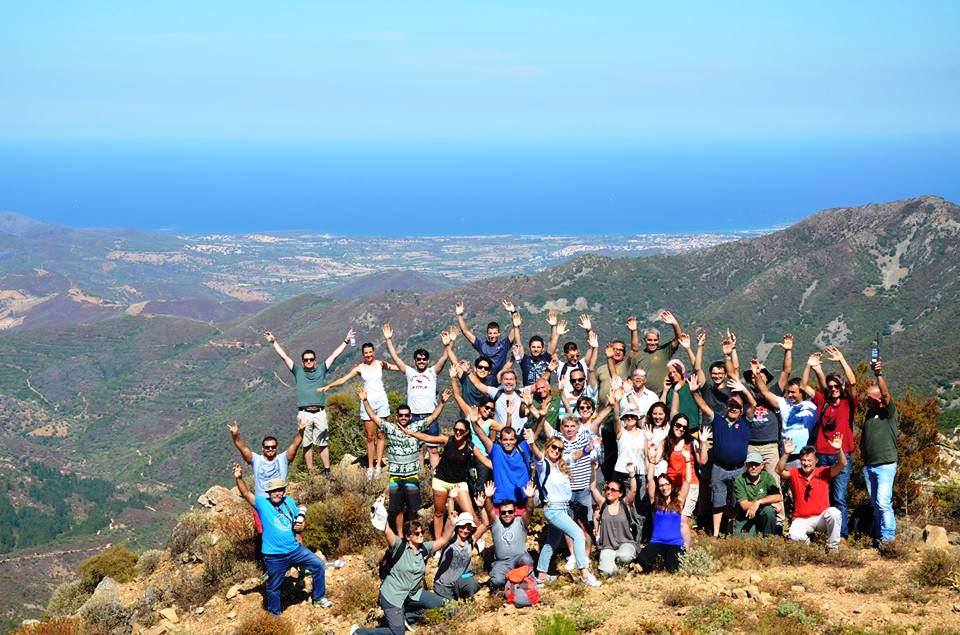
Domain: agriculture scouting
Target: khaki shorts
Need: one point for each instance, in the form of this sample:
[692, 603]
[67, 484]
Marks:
[690, 505]
[316, 432]
[443, 486]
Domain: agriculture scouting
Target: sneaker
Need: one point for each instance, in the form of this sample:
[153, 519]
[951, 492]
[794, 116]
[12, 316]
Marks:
[369, 473]
[354, 628]
[327, 473]
[263, 578]
[323, 603]
[590, 580]
[407, 625]
[571, 564]
[337, 564]
[481, 545]
[376, 473]
[547, 579]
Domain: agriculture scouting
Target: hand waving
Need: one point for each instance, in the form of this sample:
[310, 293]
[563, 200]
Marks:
[585, 322]
[459, 307]
[387, 332]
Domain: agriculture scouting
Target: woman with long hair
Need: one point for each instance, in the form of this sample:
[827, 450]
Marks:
[680, 451]
[655, 422]
[553, 481]
[666, 541]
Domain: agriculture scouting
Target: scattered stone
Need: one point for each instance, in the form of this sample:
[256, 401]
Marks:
[107, 592]
[248, 585]
[954, 537]
[935, 536]
[755, 578]
[199, 610]
[158, 629]
[216, 496]
[170, 614]
[231, 615]
[233, 591]
[29, 622]
[956, 608]
[798, 588]
[764, 597]
[858, 610]
[753, 591]
[740, 594]
[509, 608]
[347, 459]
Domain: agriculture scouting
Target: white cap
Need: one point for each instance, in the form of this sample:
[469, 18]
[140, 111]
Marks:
[465, 518]
[378, 515]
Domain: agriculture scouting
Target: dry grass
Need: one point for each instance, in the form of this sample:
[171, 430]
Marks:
[263, 623]
[56, 626]
[312, 488]
[937, 567]
[680, 595]
[765, 552]
[340, 526]
[189, 527]
[356, 595]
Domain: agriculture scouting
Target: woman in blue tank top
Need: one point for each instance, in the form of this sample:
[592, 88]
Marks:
[666, 542]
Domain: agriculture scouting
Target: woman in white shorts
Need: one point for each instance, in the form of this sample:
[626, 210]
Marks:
[678, 443]
[371, 372]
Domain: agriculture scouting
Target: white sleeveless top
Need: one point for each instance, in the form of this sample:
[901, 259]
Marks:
[372, 375]
[631, 447]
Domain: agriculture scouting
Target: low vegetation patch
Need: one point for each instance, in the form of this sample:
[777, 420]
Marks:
[67, 598]
[696, 562]
[56, 626]
[716, 616]
[937, 568]
[554, 624]
[340, 526]
[681, 595]
[264, 623]
[734, 552]
[189, 527]
[356, 593]
[117, 562]
[108, 616]
[789, 618]
[149, 560]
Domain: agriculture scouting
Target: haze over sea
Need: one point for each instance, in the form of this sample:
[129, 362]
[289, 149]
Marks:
[457, 188]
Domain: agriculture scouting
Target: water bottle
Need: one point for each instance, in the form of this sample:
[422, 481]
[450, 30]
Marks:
[875, 350]
[353, 341]
[301, 514]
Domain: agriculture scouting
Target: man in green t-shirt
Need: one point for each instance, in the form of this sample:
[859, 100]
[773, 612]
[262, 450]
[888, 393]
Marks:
[757, 497]
[653, 357]
[311, 405]
[878, 447]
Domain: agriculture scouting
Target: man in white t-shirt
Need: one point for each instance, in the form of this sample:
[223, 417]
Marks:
[636, 395]
[509, 408]
[421, 386]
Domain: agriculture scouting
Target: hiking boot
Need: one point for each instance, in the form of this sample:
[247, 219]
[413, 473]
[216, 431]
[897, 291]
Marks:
[323, 602]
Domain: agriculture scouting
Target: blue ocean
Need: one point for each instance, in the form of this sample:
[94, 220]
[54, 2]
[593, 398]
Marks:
[450, 188]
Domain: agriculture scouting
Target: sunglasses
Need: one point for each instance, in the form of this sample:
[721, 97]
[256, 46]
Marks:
[486, 368]
[577, 380]
[734, 406]
[417, 533]
[460, 430]
[269, 447]
[404, 415]
[555, 447]
[507, 512]
[611, 489]
[307, 360]
[620, 350]
[585, 407]
[419, 359]
[681, 426]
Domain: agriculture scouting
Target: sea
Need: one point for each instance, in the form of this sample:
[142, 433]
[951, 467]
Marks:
[462, 188]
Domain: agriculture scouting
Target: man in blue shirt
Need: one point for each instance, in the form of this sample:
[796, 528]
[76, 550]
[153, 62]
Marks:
[281, 549]
[511, 463]
[497, 349]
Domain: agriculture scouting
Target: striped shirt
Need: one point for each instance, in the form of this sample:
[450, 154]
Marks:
[580, 469]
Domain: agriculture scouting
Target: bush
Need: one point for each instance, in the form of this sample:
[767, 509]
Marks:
[696, 562]
[235, 527]
[340, 525]
[144, 609]
[263, 623]
[938, 567]
[681, 595]
[554, 624]
[149, 560]
[897, 549]
[948, 498]
[356, 593]
[712, 617]
[789, 618]
[767, 552]
[189, 527]
[870, 583]
[67, 598]
[117, 562]
[315, 487]
[56, 626]
[451, 613]
[108, 616]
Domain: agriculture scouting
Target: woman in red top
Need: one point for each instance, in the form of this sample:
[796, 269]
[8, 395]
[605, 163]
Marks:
[836, 406]
[677, 443]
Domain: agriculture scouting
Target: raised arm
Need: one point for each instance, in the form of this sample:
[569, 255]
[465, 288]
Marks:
[554, 335]
[339, 382]
[750, 403]
[650, 456]
[279, 349]
[474, 418]
[328, 363]
[687, 476]
[388, 336]
[445, 340]
[297, 439]
[694, 390]
[631, 494]
[467, 333]
[245, 451]
[532, 442]
[787, 344]
[813, 362]
[529, 490]
[837, 444]
[242, 486]
[788, 449]
[444, 398]
[761, 385]
[698, 362]
[668, 318]
[515, 318]
[592, 353]
[634, 334]
[851, 377]
[885, 397]
[455, 387]
[684, 340]
[704, 454]
[730, 359]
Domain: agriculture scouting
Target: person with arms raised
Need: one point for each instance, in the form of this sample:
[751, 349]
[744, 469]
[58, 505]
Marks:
[281, 549]
[810, 486]
[509, 532]
[654, 355]
[494, 347]
[311, 405]
[878, 447]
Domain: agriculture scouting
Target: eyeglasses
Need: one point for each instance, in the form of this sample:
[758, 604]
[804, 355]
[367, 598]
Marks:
[619, 350]
[308, 360]
[488, 406]
[833, 387]
[585, 407]
[269, 447]
[734, 406]
[555, 447]
[577, 380]
[611, 489]
[486, 368]
[404, 415]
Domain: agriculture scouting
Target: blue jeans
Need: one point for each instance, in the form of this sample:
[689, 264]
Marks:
[277, 565]
[561, 523]
[395, 616]
[838, 487]
[879, 480]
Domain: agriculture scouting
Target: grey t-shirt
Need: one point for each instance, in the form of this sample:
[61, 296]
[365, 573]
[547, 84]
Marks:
[614, 530]
[406, 576]
[508, 541]
[454, 561]
[264, 470]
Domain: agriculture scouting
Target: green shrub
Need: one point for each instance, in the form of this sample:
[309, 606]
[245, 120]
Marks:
[696, 562]
[149, 560]
[454, 612]
[108, 616]
[189, 527]
[712, 617]
[937, 567]
[339, 526]
[948, 498]
[789, 618]
[356, 593]
[117, 562]
[67, 598]
[554, 624]
[898, 549]
[263, 623]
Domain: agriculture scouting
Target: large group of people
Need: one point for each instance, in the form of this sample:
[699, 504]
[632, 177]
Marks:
[628, 454]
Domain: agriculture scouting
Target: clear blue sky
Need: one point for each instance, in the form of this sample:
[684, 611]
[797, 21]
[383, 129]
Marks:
[477, 70]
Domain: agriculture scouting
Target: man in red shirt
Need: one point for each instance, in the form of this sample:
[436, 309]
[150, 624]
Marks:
[836, 403]
[810, 486]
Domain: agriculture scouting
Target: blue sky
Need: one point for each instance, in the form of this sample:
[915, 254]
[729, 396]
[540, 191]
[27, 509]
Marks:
[477, 70]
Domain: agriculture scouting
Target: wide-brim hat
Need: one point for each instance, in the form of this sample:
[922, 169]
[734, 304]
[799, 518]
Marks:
[767, 375]
[274, 484]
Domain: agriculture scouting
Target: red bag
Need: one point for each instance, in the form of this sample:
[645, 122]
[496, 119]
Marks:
[521, 589]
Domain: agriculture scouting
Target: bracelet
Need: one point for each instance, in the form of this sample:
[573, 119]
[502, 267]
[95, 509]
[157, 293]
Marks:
[346, 341]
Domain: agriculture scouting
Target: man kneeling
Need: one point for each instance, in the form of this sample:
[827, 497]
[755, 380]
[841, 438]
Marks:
[810, 486]
[758, 497]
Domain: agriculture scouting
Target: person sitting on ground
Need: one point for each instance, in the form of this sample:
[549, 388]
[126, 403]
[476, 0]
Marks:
[454, 579]
[281, 549]
[403, 458]
[731, 436]
[810, 486]
[452, 477]
[757, 498]
[553, 479]
[402, 596]
[311, 405]
[666, 541]
[509, 533]
[617, 525]
[878, 447]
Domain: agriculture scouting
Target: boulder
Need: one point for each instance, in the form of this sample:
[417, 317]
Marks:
[755, 578]
[935, 536]
[232, 615]
[216, 496]
[107, 592]
[798, 588]
[233, 591]
[347, 460]
[170, 614]
[29, 622]
[248, 585]
[753, 591]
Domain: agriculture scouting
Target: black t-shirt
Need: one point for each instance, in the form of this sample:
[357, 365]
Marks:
[532, 367]
[455, 462]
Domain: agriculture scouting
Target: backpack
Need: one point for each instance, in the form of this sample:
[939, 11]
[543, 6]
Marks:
[542, 485]
[635, 521]
[391, 557]
[521, 589]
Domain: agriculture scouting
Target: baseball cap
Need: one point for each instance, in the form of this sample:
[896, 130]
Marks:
[754, 457]
[275, 484]
[465, 518]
